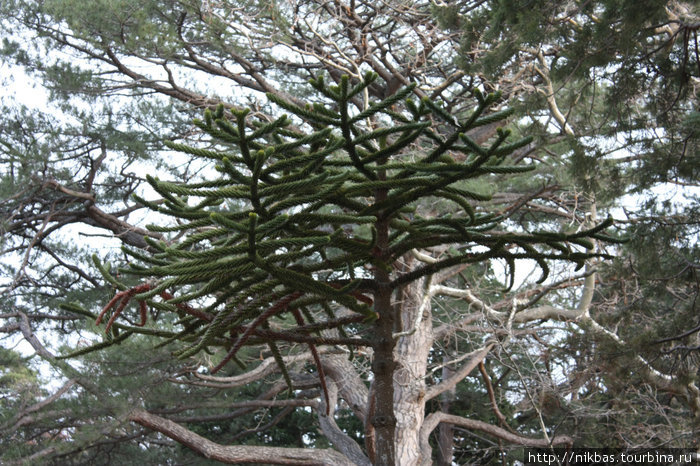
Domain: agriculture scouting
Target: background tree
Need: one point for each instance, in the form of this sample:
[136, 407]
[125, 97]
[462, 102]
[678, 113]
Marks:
[624, 84]
[582, 69]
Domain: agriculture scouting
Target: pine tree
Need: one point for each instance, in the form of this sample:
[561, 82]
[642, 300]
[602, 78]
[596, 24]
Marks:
[618, 78]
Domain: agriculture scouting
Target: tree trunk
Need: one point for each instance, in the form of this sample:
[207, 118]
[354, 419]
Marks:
[411, 356]
[382, 418]
[446, 431]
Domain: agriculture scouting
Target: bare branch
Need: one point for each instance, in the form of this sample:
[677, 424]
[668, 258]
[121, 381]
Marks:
[230, 454]
[19, 418]
[333, 433]
[476, 358]
[433, 419]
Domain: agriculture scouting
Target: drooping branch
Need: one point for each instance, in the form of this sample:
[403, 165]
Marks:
[209, 449]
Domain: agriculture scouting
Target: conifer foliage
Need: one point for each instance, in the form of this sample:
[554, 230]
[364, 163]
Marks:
[304, 229]
[606, 357]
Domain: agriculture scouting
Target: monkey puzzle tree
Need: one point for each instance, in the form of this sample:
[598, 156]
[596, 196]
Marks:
[585, 78]
[321, 230]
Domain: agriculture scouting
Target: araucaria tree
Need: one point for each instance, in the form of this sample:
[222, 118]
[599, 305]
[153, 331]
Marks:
[384, 274]
[334, 230]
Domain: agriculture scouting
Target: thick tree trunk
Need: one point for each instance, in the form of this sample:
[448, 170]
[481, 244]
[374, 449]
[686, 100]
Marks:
[411, 356]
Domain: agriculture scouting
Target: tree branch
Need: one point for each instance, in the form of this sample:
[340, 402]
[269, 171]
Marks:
[330, 429]
[476, 358]
[236, 454]
[265, 368]
[23, 416]
[433, 419]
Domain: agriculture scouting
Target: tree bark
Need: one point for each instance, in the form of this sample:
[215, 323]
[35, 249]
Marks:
[383, 419]
[411, 355]
[236, 454]
[445, 430]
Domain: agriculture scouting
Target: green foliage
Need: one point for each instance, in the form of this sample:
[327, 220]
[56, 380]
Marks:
[15, 377]
[28, 424]
[293, 222]
[19, 387]
[289, 231]
[658, 314]
[615, 65]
